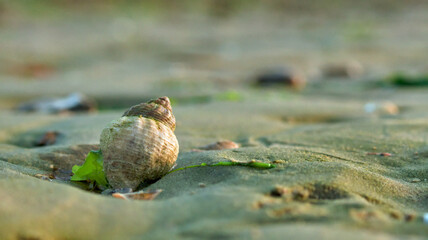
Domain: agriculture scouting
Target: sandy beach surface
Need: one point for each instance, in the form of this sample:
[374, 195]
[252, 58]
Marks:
[351, 150]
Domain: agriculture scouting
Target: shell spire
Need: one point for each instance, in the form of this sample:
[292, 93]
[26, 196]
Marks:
[159, 110]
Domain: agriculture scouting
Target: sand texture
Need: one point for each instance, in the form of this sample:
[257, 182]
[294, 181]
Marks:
[346, 167]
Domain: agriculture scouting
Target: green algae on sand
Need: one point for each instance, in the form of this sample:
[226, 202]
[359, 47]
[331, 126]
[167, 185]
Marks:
[253, 164]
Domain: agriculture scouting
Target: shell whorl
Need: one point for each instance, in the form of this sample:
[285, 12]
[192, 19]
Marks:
[141, 145]
[159, 110]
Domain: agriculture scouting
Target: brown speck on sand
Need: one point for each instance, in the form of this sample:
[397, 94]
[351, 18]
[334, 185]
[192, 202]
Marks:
[49, 138]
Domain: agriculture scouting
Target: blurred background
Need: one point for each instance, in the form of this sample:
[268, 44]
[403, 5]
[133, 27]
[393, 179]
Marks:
[119, 53]
[333, 92]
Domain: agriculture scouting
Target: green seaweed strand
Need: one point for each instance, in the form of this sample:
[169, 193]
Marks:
[252, 164]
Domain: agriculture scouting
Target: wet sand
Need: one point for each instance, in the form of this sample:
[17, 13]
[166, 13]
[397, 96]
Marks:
[341, 171]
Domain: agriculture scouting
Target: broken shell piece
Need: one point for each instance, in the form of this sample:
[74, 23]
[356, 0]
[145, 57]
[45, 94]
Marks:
[220, 145]
[140, 195]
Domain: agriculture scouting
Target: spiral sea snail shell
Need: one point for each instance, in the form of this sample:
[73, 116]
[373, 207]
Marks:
[141, 145]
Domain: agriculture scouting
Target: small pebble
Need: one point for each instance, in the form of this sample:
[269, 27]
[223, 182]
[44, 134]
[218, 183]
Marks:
[202, 185]
[281, 77]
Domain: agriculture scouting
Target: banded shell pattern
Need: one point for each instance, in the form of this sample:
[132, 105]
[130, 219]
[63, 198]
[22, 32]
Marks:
[141, 145]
